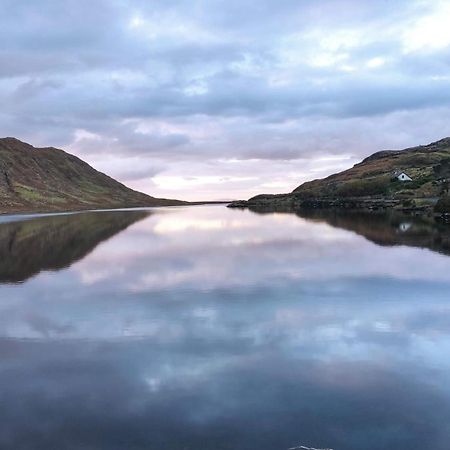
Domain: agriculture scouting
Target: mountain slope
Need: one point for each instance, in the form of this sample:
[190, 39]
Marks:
[49, 179]
[427, 165]
[373, 181]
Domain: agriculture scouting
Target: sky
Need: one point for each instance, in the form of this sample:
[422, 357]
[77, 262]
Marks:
[213, 99]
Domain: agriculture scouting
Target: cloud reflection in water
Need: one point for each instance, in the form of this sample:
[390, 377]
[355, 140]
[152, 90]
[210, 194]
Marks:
[205, 328]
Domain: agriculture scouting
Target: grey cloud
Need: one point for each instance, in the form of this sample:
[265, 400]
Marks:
[138, 173]
[81, 65]
[34, 87]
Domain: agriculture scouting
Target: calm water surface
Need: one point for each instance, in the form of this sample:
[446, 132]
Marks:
[208, 328]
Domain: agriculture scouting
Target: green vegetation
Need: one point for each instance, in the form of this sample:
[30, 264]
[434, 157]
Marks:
[48, 179]
[428, 166]
[373, 183]
[360, 188]
[28, 194]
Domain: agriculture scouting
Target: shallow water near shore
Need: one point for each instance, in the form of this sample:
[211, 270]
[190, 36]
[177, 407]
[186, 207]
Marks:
[208, 328]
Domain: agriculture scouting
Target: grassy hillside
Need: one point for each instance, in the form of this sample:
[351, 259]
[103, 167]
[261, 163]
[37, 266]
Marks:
[427, 165]
[372, 183]
[49, 179]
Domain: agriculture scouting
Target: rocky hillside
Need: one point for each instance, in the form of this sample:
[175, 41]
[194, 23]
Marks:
[373, 181]
[49, 179]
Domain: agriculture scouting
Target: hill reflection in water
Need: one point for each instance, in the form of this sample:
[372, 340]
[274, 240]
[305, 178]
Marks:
[211, 328]
[54, 242]
[383, 228]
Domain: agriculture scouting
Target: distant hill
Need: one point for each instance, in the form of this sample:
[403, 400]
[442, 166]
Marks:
[49, 179]
[374, 181]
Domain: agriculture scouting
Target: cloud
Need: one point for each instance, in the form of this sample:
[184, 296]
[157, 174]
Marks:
[173, 83]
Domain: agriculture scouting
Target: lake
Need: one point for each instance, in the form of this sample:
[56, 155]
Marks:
[201, 327]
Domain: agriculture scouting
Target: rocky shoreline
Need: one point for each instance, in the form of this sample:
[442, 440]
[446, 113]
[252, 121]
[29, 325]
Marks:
[292, 201]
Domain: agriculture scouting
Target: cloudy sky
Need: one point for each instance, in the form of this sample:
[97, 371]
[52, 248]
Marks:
[214, 99]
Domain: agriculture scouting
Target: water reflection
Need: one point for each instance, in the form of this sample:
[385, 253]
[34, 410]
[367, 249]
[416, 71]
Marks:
[54, 242]
[383, 228]
[204, 328]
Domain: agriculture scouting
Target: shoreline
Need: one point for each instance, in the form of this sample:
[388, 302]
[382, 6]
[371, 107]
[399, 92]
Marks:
[45, 211]
[418, 206]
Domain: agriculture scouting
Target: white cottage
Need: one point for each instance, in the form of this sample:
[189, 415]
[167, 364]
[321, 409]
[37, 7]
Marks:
[403, 177]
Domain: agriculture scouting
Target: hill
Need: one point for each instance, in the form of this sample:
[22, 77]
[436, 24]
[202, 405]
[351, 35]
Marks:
[373, 182]
[49, 179]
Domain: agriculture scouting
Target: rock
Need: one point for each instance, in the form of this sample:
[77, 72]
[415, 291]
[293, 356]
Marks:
[443, 205]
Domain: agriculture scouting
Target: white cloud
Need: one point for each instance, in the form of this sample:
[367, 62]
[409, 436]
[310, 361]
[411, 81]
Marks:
[376, 62]
[431, 32]
[175, 92]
